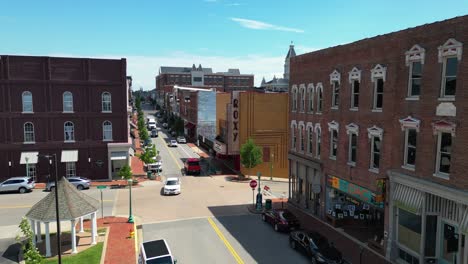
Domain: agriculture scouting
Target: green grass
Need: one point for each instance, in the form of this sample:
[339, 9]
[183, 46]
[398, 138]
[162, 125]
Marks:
[91, 255]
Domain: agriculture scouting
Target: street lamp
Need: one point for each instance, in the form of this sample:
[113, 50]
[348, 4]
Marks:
[259, 194]
[130, 216]
[57, 217]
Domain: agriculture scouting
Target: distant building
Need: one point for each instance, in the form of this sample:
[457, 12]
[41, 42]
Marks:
[280, 84]
[199, 76]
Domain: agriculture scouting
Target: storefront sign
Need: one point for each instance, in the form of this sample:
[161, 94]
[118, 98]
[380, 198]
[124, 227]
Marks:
[233, 124]
[219, 147]
[356, 191]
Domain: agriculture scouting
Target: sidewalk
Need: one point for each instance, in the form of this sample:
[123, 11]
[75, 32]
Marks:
[119, 248]
[197, 150]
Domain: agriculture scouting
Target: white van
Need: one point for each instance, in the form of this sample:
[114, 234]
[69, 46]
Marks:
[151, 124]
[155, 252]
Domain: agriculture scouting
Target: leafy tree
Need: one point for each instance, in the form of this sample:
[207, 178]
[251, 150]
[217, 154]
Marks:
[31, 253]
[251, 155]
[143, 133]
[125, 172]
[148, 155]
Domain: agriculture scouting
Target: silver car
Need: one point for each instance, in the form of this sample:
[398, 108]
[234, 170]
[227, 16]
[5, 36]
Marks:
[17, 184]
[80, 183]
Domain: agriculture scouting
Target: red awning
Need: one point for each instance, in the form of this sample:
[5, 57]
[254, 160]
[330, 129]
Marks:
[189, 125]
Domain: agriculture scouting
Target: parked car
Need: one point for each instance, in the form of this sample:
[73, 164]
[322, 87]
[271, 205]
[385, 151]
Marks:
[155, 167]
[154, 132]
[173, 143]
[172, 186]
[18, 184]
[192, 165]
[281, 219]
[151, 124]
[155, 251]
[181, 139]
[315, 246]
[164, 125]
[81, 183]
[147, 142]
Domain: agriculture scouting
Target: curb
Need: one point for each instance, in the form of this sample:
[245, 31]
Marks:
[254, 211]
[104, 248]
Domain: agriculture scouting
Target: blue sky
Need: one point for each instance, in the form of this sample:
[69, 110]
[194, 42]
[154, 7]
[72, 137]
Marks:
[252, 35]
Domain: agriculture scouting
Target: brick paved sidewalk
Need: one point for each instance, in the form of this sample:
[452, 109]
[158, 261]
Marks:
[119, 247]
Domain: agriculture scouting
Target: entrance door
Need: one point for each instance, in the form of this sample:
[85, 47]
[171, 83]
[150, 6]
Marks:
[449, 246]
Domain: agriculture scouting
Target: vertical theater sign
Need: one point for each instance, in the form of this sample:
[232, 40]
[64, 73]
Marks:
[233, 134]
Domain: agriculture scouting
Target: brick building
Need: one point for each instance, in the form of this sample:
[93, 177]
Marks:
[74, 108]
[260, 116]
[377, 136]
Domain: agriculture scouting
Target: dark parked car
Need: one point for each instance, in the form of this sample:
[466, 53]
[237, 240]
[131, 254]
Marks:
[315, 246]
[281, 219]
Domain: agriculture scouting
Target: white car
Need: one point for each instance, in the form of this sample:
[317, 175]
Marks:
[181, 140]
[173, 143]
[172, 186]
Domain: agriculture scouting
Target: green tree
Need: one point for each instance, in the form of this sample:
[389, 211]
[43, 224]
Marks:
[125, 172]
[251, 155]
[148, 155]
[143, 133]
[31, 253]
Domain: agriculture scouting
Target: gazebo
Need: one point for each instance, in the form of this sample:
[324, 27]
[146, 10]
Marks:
[73, 205]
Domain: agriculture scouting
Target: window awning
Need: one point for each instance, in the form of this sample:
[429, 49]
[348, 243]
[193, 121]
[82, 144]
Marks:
[408, 198]
[464, 222]
[119, 155]
[29, 157]
[69, 156]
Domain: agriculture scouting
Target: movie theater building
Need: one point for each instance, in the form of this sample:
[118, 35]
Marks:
[260, 116]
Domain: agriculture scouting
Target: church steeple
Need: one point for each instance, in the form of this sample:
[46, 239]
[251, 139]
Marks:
[263, 82]
[291, 53]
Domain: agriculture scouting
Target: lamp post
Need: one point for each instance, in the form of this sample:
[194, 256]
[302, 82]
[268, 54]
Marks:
[57, 216]
[130, 216]
[27, 167]
[259, 204]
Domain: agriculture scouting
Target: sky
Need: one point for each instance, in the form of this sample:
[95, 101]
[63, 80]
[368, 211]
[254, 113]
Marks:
[251, 35]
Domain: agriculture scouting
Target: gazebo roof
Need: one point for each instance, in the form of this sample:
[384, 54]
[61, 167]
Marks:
[72, 204]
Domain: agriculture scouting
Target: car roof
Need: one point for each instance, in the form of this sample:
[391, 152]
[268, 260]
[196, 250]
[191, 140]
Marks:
[17, 178]
[173, 179]
[193, 159]
[155, 248]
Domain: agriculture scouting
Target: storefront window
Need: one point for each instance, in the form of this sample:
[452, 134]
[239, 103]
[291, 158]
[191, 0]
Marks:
[409, 230]
[431, 235]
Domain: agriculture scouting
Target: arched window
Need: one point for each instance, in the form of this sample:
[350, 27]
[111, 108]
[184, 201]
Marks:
[106, 102]
[310, 90]
[107, 131]
[27, 102]
[67, 102]
[29, 132]
[293, 134]
[302, 90]
[318, 141]
[319, 90]
[301, 136]
[294, 98]
[69, 131]
[310, 139]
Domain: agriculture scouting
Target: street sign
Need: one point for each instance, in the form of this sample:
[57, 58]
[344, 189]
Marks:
[101, 186]
[253, 184]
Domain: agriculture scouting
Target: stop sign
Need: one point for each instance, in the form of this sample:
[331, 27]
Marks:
[253, 184]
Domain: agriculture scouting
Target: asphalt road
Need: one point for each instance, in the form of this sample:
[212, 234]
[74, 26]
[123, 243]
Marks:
[240, 239]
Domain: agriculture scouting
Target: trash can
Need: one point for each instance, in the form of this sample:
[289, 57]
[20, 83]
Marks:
[150, 176]
[268, 204]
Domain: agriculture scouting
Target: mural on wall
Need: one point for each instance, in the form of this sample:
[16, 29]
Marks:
[206, 126]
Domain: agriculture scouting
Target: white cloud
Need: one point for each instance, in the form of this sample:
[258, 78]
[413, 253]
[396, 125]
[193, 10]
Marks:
[255, 24]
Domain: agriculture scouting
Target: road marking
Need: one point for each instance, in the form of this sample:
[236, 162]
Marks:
[226, 243]
[170, 152]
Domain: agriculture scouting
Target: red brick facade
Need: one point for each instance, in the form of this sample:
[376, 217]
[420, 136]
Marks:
[389, 51]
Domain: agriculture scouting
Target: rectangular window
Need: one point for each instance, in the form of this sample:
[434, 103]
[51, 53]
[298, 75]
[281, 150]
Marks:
[300, 186]
[333, 143]
[310, 141]
[197, 79]
[378, 94]
[301, 138]
[311, 194]
[319, 100]
[266, 154]
[410, 147]
[355, 94]
[70, 169]
[336, 94]
[449, 77]
[352, 148]
[375, 152]
[444, 152]
[414, 89]
[294, 139]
